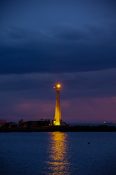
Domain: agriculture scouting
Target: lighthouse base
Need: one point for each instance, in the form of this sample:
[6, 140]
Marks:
[56, 123]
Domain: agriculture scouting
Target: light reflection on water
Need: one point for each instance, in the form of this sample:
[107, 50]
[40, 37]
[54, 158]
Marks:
[58, 154]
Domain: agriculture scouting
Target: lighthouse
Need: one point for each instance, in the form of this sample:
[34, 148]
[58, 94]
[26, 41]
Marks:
[57, 115]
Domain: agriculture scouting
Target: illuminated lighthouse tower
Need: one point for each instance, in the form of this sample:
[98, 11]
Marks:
[57, 116]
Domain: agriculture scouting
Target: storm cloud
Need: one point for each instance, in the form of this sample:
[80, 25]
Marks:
[87, 95]
[42, 42]
[57, 36]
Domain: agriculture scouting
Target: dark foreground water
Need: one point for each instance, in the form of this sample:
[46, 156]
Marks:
[58, 153]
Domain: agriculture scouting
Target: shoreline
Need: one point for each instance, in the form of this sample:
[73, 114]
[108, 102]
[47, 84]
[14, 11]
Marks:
[79, 128]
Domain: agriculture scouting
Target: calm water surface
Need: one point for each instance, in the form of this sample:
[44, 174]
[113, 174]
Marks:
[58, 153]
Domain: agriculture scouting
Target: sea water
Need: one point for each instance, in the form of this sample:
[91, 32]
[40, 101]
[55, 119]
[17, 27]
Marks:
[58, 153]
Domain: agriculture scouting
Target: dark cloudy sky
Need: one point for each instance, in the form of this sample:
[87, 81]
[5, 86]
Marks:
[44, 41]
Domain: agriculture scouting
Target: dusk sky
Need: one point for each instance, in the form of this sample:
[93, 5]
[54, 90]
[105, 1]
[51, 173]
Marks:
[72, 41]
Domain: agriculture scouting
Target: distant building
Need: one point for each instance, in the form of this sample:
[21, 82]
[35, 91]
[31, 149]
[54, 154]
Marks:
[9, 125]
[34, 124]
[2, 122]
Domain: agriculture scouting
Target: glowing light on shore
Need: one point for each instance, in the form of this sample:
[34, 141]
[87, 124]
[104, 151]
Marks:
[57, 116]
[57, 86]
